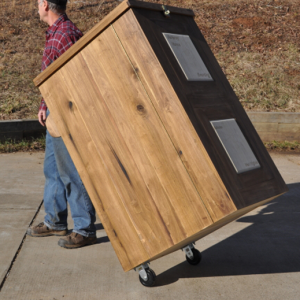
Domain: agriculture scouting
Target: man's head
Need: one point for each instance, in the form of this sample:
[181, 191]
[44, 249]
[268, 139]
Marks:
[50, 10]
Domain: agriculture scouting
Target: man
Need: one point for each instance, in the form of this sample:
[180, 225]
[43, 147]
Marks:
[63, 184]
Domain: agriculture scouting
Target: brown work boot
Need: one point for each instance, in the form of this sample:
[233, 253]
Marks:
[42, 230]
[76, 240]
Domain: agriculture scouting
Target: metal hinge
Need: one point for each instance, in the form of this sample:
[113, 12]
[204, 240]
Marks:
[167, 13]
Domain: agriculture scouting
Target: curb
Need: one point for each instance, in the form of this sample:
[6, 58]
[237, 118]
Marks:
[271, 126]
[276, 126]
[21, 129]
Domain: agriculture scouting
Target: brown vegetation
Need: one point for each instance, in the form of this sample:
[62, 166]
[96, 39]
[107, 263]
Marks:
[290, 147]
[256, 43]
[26, 145]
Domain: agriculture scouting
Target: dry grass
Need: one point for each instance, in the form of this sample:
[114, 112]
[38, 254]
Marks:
[283, 146]
[29, 145]
[265, 81]
[38, 144]
[256, 43]
[22, 38]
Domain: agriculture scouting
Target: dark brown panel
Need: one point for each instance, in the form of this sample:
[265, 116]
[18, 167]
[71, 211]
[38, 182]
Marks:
[263, 190]
[250, 178]
[158, 7]
[204, 101]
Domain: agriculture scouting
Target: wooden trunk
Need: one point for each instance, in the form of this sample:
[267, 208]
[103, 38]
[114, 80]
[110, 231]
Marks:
[139, 116]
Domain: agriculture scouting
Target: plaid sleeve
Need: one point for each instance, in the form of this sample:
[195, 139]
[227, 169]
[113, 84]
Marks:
[64, 42]
[43, 105]
[56, 44]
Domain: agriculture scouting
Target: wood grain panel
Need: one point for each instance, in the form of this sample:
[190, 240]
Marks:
[170, 186]
[174, 118]
[118, 226]
[135, 197]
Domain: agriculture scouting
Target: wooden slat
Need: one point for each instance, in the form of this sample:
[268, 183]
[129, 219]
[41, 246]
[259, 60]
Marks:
[289, 128]
[144, 216]
[274, 117]
[94, 174]
[83, 42]
[278, 131]
[174, 118]
[135, 198]
[279, 136]
[137, 121]
[269, 127]
[277, 127]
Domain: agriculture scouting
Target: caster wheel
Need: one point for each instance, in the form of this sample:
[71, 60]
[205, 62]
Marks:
[196, 259]
[150, 280]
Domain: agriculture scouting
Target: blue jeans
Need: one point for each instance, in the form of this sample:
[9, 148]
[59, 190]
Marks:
[63, 185]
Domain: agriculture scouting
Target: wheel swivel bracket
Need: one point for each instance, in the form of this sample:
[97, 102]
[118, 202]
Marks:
[142, 270]
[188, 250]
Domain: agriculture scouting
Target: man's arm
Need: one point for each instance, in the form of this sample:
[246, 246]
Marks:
[62, 43]
[42, 117]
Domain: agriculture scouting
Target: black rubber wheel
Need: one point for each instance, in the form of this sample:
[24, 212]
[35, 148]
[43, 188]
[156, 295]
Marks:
[151, 278]
[197, 257]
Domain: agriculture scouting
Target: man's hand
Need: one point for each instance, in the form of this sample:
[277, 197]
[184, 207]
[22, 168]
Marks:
[42, 117]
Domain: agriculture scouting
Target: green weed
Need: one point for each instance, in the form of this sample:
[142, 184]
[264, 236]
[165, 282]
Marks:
[283, 146]
[25, 145]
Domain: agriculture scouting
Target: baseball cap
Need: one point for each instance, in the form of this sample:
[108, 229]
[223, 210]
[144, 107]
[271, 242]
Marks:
[58, 2]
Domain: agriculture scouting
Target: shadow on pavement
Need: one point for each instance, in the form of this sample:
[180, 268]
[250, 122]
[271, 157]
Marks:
[99, 226]
[103, 239]
[269, 245]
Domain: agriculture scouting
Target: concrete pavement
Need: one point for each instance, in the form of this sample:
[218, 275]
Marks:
[21, 188]
[255, 257]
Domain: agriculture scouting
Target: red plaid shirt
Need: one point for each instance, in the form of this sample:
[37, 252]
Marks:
[59, 38]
